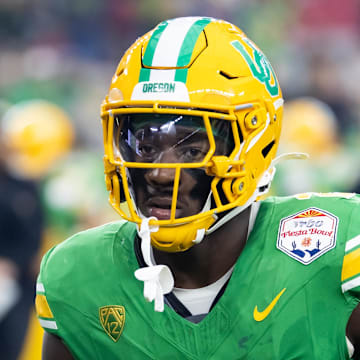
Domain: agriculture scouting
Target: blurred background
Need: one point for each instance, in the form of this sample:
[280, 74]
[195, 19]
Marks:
[56, 62]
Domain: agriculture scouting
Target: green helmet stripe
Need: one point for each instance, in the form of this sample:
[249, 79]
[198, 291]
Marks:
[157, 53]
[150, 50]
[189, 43]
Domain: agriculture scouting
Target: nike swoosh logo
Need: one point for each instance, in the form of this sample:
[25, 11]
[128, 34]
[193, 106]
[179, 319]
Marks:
[261, 315]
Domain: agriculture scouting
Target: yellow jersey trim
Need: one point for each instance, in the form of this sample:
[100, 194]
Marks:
[351, 265]
[42, 307]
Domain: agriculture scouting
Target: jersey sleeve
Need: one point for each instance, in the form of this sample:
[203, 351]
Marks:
[43, 310]
[56, 308]
[67, 297]
[350, 273]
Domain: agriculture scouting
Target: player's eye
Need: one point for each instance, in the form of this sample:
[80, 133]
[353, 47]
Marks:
[192, 154]
[146, 150]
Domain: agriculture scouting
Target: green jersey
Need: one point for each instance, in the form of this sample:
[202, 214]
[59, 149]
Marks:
[290, 295]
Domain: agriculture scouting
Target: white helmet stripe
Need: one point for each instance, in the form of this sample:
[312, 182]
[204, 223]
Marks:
[168, 48]
[166, 45]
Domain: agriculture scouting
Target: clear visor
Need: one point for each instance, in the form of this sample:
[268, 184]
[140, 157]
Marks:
[168, 138]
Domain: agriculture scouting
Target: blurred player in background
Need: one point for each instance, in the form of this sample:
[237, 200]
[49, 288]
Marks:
[74, 196]
[34, 135]
[311, 127]
[191, 127]
[21, 225]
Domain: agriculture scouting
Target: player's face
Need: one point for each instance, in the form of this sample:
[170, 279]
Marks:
[166, 139]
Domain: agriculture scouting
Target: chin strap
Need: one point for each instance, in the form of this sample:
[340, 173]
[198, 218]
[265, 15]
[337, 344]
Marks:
[158, 279]
[289, 156]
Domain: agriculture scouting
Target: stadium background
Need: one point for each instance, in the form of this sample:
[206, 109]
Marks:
[65, 52]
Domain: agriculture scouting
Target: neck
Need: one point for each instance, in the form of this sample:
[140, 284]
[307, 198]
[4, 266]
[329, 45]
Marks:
[208, 261]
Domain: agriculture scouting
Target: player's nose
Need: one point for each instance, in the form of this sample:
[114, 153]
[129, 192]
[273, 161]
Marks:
[163, 175]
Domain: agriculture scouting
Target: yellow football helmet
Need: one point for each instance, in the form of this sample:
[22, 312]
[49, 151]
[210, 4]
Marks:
[35, 133]
[309, 126]
[205, 75]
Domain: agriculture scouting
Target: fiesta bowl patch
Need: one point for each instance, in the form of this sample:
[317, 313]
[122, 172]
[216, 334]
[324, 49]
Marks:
[308, 234]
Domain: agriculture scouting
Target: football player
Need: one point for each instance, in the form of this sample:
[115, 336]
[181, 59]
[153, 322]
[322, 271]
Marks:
[201, 267]
[34, 135]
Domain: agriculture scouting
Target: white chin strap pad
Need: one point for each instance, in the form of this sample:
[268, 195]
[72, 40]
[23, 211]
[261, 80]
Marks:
[158, 279]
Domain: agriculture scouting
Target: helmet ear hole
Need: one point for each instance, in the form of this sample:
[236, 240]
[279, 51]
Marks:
[265, 151]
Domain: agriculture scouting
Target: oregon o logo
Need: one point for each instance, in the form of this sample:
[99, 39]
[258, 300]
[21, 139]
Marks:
[259, 66]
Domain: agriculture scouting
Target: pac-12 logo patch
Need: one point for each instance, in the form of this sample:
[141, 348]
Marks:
[112, 319]
[308, 234]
